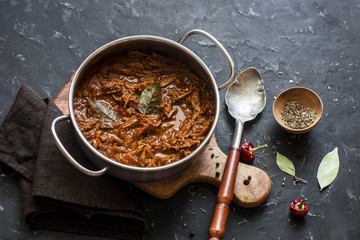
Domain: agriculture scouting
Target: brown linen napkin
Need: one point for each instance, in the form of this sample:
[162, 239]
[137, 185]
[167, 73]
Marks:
[56, 196]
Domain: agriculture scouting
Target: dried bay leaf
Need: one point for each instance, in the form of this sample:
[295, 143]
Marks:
[285, 164]
[102, 109]
[328, 169]
[150, 99]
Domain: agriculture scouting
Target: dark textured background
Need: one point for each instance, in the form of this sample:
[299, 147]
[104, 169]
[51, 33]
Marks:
[314, 43]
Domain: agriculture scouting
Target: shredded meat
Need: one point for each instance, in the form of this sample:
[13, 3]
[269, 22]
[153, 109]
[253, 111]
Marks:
[106, 110]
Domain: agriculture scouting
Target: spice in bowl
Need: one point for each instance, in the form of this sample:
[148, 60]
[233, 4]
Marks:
[297, 116]
[297, 110]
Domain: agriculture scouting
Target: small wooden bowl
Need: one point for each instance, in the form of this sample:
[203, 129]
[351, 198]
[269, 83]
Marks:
[307, 97]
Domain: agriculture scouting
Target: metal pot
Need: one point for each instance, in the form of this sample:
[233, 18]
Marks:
[159, 44]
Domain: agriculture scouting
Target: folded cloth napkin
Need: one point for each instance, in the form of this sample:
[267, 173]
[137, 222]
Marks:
[56, 196]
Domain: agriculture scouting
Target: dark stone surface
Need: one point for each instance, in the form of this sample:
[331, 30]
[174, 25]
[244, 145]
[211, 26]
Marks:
[314, 43]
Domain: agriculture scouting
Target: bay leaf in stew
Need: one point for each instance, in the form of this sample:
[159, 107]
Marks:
[150, 99]
[102, 109]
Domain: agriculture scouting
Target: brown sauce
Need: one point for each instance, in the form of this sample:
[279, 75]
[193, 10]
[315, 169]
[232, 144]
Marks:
[107, 113]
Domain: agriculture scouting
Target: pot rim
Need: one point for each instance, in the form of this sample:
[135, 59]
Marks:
[113, 43]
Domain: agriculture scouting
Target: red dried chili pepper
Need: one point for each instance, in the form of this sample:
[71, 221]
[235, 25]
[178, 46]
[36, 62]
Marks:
[247, 153]
[299, 208]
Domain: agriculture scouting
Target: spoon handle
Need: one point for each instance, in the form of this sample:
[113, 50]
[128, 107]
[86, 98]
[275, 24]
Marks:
[225, 195]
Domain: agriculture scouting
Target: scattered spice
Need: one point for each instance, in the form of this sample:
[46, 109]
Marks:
[203, 210]
[189, 188]
[212, 155]
[283, 183]
[243, 221]
[184, 226]
[192, 233]
[217, 164]
[217, 174]
[297, 116]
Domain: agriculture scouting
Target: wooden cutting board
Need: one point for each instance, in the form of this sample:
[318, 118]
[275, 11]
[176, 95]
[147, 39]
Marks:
[207, 169]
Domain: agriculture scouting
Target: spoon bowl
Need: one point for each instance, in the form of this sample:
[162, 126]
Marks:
[246, 96]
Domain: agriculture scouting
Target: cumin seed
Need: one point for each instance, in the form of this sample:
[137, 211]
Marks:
[295, 115]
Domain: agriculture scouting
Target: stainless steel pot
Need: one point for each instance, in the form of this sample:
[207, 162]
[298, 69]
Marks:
[158, 44]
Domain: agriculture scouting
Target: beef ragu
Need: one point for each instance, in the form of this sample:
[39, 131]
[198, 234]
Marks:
[107, 111]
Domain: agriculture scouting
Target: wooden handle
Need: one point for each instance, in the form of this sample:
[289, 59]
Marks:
[225, 195]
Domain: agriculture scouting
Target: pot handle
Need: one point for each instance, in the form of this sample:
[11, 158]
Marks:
[220, 46]
[65, 152]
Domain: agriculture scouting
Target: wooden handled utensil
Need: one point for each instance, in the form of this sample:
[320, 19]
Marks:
[245, 98]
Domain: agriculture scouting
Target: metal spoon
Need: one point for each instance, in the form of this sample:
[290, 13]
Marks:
[245, 98]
